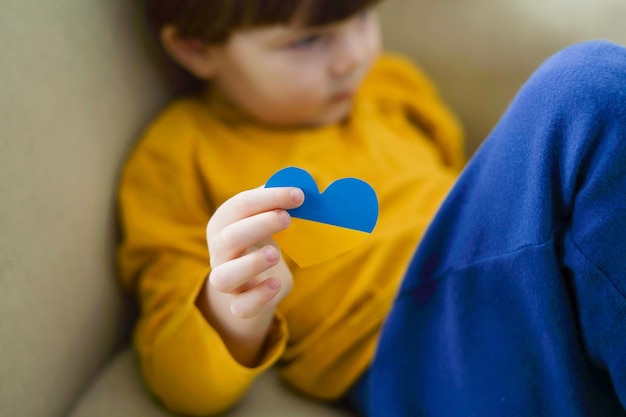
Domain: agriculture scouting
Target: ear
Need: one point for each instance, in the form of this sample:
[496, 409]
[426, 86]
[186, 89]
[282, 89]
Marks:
[192, 54]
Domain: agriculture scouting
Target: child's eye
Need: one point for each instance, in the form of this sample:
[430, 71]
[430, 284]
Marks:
[363, 16]
[306, 42]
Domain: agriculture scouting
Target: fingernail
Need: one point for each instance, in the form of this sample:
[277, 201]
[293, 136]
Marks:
[270, 254]
[285, 218]
[297, 196]
[273, 283]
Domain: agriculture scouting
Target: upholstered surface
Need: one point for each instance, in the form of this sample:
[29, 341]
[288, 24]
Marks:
[481, 51]
[76, 87]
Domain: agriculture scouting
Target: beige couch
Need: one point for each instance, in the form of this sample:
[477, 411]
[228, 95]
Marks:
[76, 87]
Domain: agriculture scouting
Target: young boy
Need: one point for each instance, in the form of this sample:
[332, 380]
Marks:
[497, 314]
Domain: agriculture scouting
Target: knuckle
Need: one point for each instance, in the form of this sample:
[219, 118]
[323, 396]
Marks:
[209, 225]
[219, 281]
[211, 234]
[208, 230]
[278, 195]
[243, 202]
[257, 262]
[224, 239]
[211, 245]
[268, 224]
[215, 219]
[275, 222]
[241, 310]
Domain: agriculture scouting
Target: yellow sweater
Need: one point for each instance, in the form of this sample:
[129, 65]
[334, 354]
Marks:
[400, 138]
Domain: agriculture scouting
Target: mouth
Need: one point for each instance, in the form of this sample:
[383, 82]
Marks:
[342, 96]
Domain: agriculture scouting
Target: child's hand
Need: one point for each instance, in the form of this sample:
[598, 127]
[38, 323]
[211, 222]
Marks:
[247, 266]
[248, 275]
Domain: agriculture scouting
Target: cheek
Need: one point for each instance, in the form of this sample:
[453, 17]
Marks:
[376, 45]
[373, 39]
[302, 83]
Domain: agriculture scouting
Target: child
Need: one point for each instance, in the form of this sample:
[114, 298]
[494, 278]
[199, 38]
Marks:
[514, 302]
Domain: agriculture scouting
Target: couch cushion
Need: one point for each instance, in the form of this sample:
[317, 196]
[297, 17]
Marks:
[480, 52]
[76, 87]
[119, 391]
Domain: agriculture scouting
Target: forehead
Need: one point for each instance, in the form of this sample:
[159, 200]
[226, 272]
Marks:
[277, 32]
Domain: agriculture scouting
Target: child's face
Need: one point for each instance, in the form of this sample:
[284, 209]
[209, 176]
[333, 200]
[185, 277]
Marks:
[292, 76]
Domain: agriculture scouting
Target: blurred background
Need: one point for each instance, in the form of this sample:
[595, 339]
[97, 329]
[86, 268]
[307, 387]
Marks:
[481, 51]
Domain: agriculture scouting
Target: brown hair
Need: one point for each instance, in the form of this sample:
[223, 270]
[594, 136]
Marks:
[213, 21]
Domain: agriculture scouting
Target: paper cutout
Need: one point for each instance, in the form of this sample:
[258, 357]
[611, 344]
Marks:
[328, 223]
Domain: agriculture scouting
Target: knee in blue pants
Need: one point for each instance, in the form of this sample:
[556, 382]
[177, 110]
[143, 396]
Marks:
[514, 301]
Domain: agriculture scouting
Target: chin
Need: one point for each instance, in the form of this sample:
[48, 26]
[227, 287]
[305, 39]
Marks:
[337, 115]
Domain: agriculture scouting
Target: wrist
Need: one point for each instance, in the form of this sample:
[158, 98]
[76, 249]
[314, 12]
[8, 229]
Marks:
[244, 337]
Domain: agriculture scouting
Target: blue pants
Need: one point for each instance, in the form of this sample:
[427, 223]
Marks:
[515, 301]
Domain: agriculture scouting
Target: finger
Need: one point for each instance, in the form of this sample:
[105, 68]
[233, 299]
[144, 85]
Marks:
[251, 302]
[251, 202]
[235, 275]
[236, 238]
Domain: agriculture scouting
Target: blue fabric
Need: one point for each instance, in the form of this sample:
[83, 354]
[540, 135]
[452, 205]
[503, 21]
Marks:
[357, 398]
[514, 303]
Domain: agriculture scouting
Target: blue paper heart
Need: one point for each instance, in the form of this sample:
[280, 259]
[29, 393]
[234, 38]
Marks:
[347, 202]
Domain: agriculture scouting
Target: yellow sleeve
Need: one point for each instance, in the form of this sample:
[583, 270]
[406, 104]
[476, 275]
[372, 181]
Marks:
[397, 81]
[163, 258]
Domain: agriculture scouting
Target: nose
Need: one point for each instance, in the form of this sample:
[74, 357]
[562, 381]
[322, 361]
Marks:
[349, 55]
